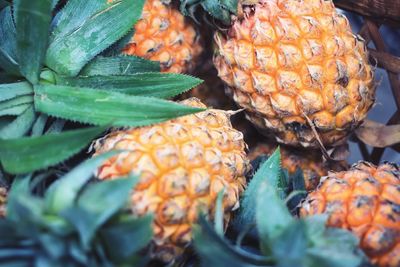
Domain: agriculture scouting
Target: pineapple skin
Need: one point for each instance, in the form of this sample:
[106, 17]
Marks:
[3, 201]
[183, 164]
[295, 66]
[366, 201]
[310, 162]
[162, 34]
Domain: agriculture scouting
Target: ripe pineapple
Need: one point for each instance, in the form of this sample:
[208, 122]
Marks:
[311, 163]
[183, 164]
[295, 66]
[163, 35]
[3, 201]
[365, 200]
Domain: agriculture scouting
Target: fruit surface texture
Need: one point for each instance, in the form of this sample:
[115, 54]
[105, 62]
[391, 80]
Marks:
[3, 201]
[366, 201]
[183, 164]
[298, 70]
[310, 162]
[164, 35]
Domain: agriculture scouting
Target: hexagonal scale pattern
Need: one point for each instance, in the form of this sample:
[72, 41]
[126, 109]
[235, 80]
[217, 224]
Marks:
[366, 201]
[183, 164]
[293, 63]
[163, 34]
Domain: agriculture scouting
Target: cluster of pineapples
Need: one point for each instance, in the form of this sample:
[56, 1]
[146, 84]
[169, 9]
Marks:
[301, 77]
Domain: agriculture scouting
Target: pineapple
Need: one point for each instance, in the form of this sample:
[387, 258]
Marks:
[164, 35]
[3, 201]
[297, 69]
[277, 237]
[183, 164]
[311, 163]
[366, 201]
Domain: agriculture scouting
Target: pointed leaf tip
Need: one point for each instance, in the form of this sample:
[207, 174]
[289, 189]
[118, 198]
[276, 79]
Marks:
[32, 19]
[269, 172]
[42, 151]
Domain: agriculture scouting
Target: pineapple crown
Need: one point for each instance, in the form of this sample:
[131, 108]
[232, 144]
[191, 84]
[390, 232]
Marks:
[221, 10]
[74, 223]
[63, 64]
[281, 239]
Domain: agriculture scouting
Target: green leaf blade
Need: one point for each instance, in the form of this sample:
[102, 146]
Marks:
[119, 65]
[32, 24]
[99, 201]
[153, 84]
[8, 42]
[12, 90]
[270, 172]
[21, 125]
[272, 215]
[101, 107]
[40, 152]
[127, 237]
[62, 194]
[69, 53]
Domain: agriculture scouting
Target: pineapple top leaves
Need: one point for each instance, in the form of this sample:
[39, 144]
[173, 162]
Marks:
[75, 44]
[89, 227]
[66, 75]
[41, 152]
[8, 51]
[32, 19]
[218, 9]
[283, 240]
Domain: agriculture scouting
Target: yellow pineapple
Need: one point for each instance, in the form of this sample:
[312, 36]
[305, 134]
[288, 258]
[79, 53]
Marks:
[164, 35]
[297, 69]
[183, 164]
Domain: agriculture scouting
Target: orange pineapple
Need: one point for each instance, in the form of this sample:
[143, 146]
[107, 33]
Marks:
[295, 66]
[183, 164]
[164, 35]
[366, 201]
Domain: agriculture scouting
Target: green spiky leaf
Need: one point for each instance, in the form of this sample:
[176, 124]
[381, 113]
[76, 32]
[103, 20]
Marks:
[22, 100]
[41, 152]
[20, 126]
[216, 251]
[90, 213]
[116, 48]
[12, 90]
[8, 42]
[119, 65]
[290, 246]
[39, 125]
[102, 107]
[127, 237]
[69, 19]
[15, 110]
[73, 47]
[161, 85]
[62, 194]
[272, 215]
[32, 19]
[269, 171]
[221, 10]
